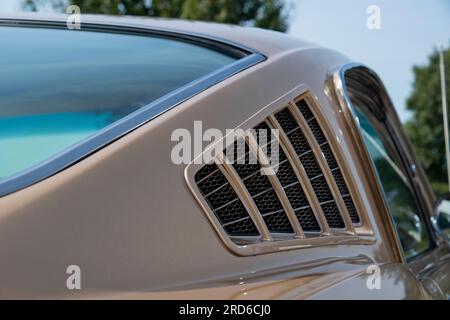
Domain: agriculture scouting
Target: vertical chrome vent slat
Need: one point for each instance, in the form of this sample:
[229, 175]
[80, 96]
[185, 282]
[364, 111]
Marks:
[316, 124]
[237, 184]
[253, 144]
[308, 160]
[301, 175]
[320, 157]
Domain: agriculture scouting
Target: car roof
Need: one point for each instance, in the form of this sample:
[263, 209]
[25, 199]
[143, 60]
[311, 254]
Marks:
[267, 42]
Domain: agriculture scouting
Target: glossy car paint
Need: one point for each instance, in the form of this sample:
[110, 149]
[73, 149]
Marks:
[126, 216]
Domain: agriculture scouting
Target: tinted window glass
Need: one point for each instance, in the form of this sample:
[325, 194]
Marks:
[57, 87]
[397, 191]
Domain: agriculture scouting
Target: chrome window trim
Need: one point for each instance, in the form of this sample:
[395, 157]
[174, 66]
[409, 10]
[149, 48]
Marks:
[213, 42]
[69, 156]
[339, 89]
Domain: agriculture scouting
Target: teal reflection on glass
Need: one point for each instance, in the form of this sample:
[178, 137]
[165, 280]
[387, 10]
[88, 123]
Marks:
[398, 193]
[27, 140]
[59, 86]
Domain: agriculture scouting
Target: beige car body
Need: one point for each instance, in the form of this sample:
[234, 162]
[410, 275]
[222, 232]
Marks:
[127, 215]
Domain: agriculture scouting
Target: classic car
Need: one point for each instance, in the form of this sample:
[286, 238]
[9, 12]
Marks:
[94, 205]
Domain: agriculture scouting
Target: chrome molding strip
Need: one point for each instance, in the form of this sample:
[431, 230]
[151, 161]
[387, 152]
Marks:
[277, 187]
[302, 177]
[363, 227]
[339, 90]
[322, 162]
[216, 43]
[116, 130]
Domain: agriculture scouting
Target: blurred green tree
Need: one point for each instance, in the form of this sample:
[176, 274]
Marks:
[425, 128]
[268, 14]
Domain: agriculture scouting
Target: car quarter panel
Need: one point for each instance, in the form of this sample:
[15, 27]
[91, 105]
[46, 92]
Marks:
[125, 214]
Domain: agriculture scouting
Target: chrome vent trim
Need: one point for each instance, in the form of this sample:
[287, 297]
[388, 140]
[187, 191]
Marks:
[304, 202]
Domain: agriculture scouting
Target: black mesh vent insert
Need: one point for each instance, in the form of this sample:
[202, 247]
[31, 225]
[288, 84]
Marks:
[314, 172]
[331, 212]
[307, 220]
[296, 195]
[265, 197]
[268, 202]
[331, 160]
[224, 201]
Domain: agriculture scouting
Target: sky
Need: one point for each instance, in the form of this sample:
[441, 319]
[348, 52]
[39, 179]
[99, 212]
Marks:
[409, 31]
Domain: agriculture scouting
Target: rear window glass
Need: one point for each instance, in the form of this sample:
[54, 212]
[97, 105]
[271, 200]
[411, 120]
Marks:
[58, 87]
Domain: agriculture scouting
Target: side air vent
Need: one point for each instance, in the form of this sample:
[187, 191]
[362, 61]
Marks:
[279, 186]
